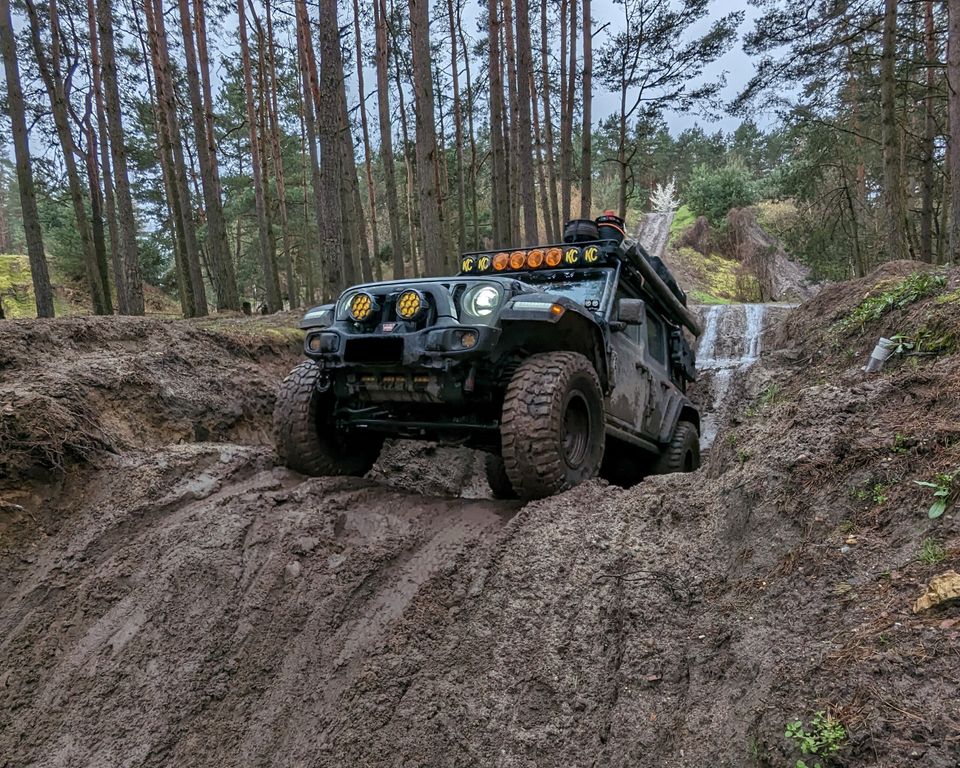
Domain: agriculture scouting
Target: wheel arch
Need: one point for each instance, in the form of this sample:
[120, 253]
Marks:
[573, 332]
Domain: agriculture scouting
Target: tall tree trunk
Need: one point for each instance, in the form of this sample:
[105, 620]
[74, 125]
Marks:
[353, 220]
[53, 81]
[524, 126]
[552, 213]
[42, 292]
[431, 217]
[175, 221]
[566, 117]
[130, 287]
[511, 129]
[105, 162]
[892, 188]
[386, 136]
[540, 162]
[85, 124]
[309, 85]
[179, 181]
[367, 154]
[473, 141]
[273, 111]
[586, 172]
[929, 136]
[953, 80]
[271, 286]
[457, 125]
[223, 277]
[326, 98]
[499, 190]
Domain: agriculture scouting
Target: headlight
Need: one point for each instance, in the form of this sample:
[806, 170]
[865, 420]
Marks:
[481, 301]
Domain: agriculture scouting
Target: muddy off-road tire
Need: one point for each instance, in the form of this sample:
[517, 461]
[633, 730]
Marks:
[305, 439]
[497, 478]
[683, 453]
[552, 433]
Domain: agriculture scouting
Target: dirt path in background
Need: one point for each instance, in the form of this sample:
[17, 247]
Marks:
[175, 602]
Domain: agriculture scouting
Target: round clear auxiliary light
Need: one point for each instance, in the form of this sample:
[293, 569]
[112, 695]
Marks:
[482, 300]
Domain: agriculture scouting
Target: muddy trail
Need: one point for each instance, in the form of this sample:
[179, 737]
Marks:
[170, 597]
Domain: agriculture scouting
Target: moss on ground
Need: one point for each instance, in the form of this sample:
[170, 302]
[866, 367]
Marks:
[682, 219]
[717, 275]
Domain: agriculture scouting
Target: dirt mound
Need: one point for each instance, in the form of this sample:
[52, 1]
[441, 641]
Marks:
[72, 388]
[194, 604]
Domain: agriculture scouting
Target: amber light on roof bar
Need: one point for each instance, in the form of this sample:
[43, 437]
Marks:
[534, 258]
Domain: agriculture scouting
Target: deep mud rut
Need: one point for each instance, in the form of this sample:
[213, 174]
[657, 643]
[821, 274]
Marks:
[188, 603]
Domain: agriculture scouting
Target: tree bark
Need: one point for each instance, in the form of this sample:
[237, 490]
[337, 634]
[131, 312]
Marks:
[586, 172]
[42, 292]
[566, 117]
[892, 189]
[470, 132]
[431, 216]
[130, 284]
[221, 263]
[273, 111]
[524, 165]
[457, 125]
[552, 213]
[271, 286]
[53, 81]
[168, 114]
[511, 129]
[929, 136]
[386, 136]
[953, 80]
[499, 189]
[365, 132]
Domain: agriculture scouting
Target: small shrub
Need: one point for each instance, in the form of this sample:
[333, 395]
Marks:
[824, 738]
[944, 493]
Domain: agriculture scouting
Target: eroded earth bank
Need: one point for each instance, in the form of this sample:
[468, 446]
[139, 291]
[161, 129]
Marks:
[171, 597]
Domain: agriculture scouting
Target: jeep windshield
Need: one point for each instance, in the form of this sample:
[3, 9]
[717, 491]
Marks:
[586, 288]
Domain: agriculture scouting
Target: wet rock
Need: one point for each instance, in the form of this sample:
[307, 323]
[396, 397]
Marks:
[941, 588]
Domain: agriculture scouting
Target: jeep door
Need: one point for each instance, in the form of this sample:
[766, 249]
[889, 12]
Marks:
[630, 390]
[657, 358]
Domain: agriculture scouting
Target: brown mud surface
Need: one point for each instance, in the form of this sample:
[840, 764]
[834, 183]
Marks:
[179, 600]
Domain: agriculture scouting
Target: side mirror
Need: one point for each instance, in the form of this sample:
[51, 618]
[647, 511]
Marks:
[631, 311]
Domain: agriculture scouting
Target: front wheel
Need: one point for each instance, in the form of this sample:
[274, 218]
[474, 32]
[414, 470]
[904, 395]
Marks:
[552, 431]
[306, 439]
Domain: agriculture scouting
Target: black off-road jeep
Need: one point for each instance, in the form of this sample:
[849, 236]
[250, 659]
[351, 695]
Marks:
[562, 361]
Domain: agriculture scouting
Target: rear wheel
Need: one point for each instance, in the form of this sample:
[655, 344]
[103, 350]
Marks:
[552, 430]
[306, 439]
[497, 478]
[683, 453]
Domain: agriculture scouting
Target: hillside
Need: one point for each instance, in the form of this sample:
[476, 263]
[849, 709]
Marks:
[17, 298]
[170, 596]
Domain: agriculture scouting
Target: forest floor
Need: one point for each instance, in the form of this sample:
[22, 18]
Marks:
[170, 596]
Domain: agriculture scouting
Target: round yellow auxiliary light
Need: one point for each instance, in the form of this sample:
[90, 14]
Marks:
[554, 257]
[467, 263]
[517, 259]
[572, 256]
[410, 304]
[361, 307]
[501, 261]
[535, 258]
[483, 263]
[591, 254]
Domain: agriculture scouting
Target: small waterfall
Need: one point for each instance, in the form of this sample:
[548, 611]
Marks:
[730, 342]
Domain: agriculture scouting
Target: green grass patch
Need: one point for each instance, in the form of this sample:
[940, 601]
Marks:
[682, 219]
[702, 297]
[914, 287]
